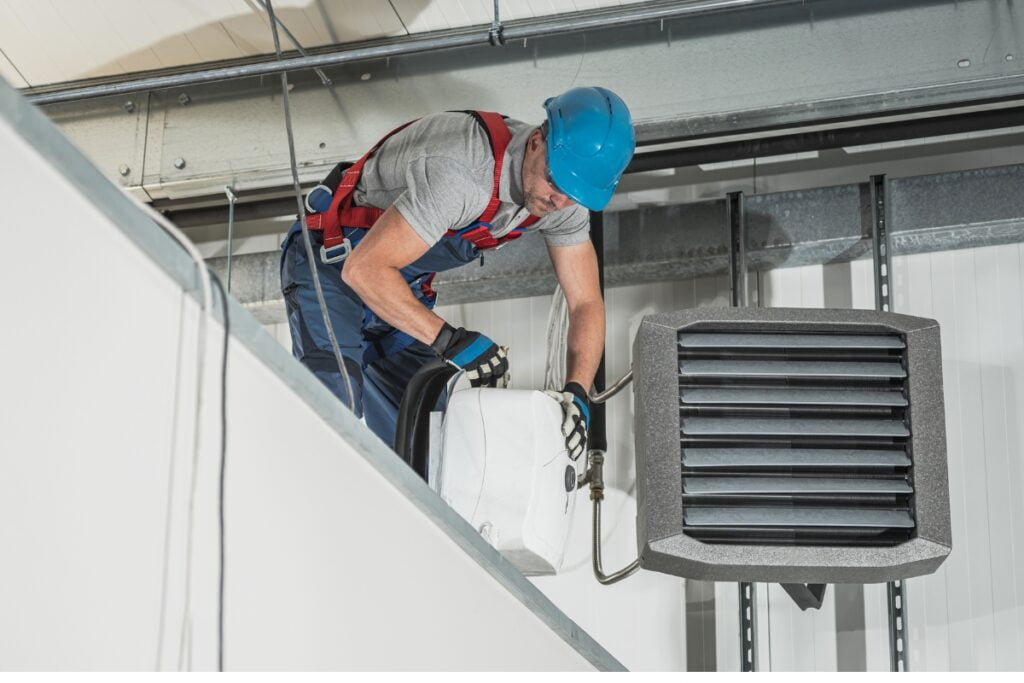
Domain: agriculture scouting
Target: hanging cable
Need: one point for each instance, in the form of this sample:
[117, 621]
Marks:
[557, 333]
[206, 310]
[319, 72]
[310, 256]
[223, 467]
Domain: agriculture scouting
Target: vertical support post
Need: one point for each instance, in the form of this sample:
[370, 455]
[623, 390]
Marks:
[231, 224]
[882, 259]
[748, 627]
[737, 248]
[736, 221]
[880, 243]
[897, 627]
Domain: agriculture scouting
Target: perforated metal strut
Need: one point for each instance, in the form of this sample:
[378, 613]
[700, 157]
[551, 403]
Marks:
[897, 628]
[882, 261]
[748, 627]
[736, 221]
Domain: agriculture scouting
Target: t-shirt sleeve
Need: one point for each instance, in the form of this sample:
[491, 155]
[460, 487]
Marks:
[441, 194]
[566, 228]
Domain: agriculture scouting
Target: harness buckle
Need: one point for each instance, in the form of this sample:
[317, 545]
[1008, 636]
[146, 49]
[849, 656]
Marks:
[345, 246]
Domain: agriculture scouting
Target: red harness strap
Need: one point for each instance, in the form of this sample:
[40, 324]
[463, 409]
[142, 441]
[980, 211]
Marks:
[342, 213]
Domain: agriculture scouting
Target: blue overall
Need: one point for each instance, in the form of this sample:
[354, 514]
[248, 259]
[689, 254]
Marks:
[379, 358]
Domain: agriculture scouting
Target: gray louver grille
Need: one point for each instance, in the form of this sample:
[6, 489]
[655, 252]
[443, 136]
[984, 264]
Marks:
[795, 439]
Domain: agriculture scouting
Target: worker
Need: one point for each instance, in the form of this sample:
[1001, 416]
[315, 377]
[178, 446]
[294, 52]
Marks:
[436, 193]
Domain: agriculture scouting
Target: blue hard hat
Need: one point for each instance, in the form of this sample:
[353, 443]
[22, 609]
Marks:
[590, 142]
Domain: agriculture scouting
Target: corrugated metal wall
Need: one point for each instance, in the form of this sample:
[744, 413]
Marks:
[970, 614]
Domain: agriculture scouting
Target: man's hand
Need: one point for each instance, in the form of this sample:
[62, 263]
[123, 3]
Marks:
[482, 359]
[576, 408]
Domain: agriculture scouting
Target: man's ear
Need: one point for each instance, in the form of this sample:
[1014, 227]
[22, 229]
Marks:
[536, 140]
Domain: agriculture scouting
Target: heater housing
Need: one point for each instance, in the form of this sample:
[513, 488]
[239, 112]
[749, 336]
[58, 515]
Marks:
[790, 445]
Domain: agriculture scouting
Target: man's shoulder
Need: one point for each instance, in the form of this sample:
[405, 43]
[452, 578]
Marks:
[463, 123]
[454, 135]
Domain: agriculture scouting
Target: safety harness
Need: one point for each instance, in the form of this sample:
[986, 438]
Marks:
[343, 213]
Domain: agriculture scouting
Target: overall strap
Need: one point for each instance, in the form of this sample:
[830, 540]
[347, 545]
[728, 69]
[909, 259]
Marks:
[478, 232]
[341, 212]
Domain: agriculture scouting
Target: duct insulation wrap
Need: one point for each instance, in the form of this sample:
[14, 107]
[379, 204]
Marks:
[786, 445]
[503, 466]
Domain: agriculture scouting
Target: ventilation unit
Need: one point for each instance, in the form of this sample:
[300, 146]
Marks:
[790, 445]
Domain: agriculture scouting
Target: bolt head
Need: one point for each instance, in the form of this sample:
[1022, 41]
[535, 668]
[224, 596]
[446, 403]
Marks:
[184, 99]
[123, 169]
[129, 106]
[179, 163]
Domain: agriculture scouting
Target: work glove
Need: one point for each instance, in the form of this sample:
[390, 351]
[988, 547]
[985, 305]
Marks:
[482, 359]
[576, 409]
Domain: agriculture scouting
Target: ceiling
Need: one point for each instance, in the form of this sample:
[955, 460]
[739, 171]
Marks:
[114, 37]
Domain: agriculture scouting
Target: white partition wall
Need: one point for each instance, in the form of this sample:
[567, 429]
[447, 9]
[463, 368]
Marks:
[335, 555]
[967, 616]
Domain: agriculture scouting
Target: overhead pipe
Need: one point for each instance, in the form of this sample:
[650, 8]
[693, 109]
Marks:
[475, 36]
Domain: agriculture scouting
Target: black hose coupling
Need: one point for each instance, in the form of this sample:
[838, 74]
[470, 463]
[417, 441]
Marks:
[595, 475]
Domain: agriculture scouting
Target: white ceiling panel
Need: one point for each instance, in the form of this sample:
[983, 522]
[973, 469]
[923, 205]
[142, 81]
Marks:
[352, 20]
[10, 74]
[313, 23]
[439, 15]
[105, 33]
[113, 37]
[20, 36]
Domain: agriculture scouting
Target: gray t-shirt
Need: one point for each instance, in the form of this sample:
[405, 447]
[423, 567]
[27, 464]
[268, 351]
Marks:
[439, 173]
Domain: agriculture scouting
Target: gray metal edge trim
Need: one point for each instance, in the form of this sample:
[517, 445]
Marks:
[41, 134]
[928, 426]
[658, 461]
[691, 559]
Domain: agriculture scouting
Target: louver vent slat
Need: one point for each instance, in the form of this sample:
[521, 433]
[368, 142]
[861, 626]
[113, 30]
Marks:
[720, 486]
[775, 368]
[795, 397]
[795, 438]
[789, 341]
[710, 426]
[772, 458]
[796, 517]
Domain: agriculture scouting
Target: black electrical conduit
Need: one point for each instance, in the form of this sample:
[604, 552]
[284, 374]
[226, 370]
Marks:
[477, 35]
[597, 438]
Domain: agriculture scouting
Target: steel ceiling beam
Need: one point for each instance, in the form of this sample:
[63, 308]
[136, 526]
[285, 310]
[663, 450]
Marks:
[474, 36]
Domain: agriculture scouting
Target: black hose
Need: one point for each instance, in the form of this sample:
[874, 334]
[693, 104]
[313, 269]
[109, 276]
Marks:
[412, 432]
[597, 438]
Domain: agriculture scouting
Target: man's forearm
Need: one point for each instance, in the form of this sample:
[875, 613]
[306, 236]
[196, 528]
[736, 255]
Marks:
[388, 295]
[586, 343]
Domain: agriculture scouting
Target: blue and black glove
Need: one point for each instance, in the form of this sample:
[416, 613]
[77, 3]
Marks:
[482, 359]
[576, 408]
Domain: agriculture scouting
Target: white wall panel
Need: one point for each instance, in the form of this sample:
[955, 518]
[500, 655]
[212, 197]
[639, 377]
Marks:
[337, 556]
[967, 616]
[640, 620]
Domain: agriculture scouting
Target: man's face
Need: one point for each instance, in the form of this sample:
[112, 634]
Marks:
[541, 194]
